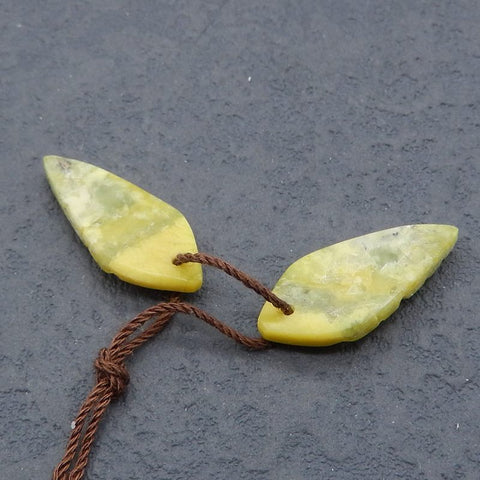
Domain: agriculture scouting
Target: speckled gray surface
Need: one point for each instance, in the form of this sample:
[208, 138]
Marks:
[277, 128]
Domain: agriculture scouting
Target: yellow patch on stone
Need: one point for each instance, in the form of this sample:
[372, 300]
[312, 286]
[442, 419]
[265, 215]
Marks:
[342, 292]
[129, 232]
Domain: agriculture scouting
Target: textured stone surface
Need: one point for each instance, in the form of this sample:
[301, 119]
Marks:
[342, 292]
[358, 116]
[129, 232]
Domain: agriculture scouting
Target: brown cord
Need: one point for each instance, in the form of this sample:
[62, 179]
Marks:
[113, 377]
[234, 272]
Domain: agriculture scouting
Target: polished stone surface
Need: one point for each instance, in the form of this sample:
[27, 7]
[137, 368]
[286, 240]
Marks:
[277, 128]
[128, 231]
[342, 292]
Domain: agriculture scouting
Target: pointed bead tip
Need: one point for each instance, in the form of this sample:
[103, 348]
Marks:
[450, 232]
[55, 168]
[52, 162]
[47, 162]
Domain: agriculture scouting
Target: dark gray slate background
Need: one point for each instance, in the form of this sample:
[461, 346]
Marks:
[276, 127]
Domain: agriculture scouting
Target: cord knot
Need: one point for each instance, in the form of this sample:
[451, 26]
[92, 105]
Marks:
[111, 371]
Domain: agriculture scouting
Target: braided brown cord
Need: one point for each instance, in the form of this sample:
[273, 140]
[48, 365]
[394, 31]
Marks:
[257, 343]
[234, 272]
[113, 377]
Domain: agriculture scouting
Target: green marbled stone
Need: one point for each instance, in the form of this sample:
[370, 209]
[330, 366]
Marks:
[129, 232]
[342, 292]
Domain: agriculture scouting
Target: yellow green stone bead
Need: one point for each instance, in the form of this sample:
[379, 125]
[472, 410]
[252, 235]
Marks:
[342, 292]
[128, 231]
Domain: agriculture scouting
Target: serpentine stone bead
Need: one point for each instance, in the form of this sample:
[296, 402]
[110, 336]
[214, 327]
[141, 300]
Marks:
[129, 232]
[342, 292]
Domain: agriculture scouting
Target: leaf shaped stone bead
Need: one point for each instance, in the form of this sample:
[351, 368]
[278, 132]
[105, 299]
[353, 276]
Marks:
[342, 292]
[128, 231]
